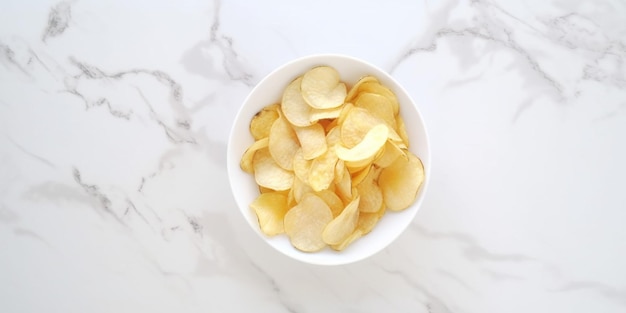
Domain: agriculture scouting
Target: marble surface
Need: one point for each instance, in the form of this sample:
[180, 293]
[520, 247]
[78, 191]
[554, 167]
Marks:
[114, 117]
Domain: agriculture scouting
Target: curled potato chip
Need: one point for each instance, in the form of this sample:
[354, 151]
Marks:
[320, 114]
[262, 121]
[268, 174]
[400, 182]
[359, 175]
[312, 139]
[355, 89]
[246, 159]
[377, 105]
[344, 188]
[270, 209]
[390, 153]
[343, 225]
[367, 221]
[321, 88]
[356, 234]
[357, 124]
[283, 143]
[373, 140]
[377, 88]
[402, 131]
[305, 223]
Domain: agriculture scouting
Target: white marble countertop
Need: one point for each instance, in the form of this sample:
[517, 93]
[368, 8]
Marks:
[114, 117]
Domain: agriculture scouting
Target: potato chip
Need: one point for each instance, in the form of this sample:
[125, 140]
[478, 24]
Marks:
[344, 188]
[283, 143]
[377, 105]
[339, 169]
[391, 152]
[300, 189]
[321, 88]
[301, 167]
[322, 170]
[377, 88]
[332, 200]
[358, 174]
[356, 125]
[343, 225]
[312, 140]
[371, 195]
[373, 140]
[402, 131]
[305, 223]
[320, 114]
[400, 182]
[293, 106]
[367, 221]
[270, 209]
[268, 174]
[345, 109]
[356, 234]
[262, 121]
[246, 159]
[355, 89]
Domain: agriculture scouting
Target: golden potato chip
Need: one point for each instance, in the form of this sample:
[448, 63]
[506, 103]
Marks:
[402, 131]
[343, 225]
[322, 170]
[262, 121]
[332, 199]
[391, 152]
[400, 182]
[320, 114]
[283, 143]
[355, 89]
[293, 106]
[357, 124]
[268, 174]
[321, 88]
[371, 195]
[377, 105]
[312, 140]
[344, 188]
[305, 223]
[373, 140]
[345, 109]
[377, 88]
[367, 221]
[339, 169]
[300, 189]
[270, 209]
[356, 234]
[359, 174]
[301, 166]
[266, 190]
[246, 159]
[291, 201]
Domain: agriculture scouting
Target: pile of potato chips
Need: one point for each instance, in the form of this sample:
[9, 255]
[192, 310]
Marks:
[329, 162]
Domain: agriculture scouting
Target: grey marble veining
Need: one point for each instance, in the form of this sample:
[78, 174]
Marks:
[114, 119]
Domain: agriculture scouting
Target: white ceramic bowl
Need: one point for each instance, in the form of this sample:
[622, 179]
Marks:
[269, 91]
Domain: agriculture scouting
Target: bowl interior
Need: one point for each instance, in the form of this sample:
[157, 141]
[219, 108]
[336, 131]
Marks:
[269, 91]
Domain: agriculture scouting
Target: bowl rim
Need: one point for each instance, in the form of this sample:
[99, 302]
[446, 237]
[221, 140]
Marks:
[233, 165]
